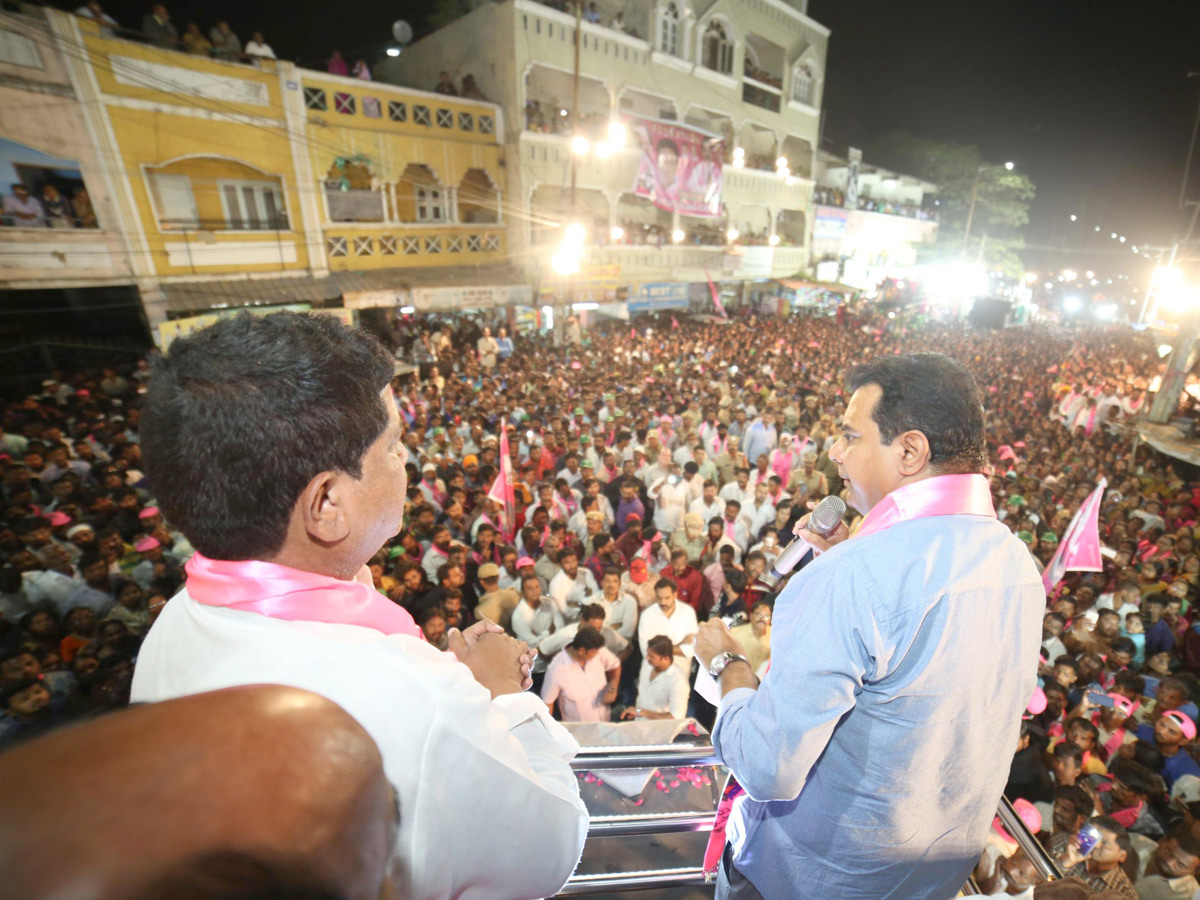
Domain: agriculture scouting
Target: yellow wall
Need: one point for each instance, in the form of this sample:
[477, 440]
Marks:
[205, 173]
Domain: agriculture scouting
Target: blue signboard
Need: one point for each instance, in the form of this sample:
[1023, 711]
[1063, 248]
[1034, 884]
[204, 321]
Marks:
[665, 295]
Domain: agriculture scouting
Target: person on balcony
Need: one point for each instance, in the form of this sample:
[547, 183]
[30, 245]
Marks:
[195, 42]
[157, 27]
[226, 44]
[257, 47]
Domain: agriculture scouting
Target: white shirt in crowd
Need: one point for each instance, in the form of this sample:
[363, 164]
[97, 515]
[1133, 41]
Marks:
[254, 48]
[706, 511]
[571, 593]
[579, 690]
[663, 691]
[681, 624]
[421, 706]
[536, 626]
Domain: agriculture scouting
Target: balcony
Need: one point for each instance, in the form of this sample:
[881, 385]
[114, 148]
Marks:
[390, 246]
[762, 95]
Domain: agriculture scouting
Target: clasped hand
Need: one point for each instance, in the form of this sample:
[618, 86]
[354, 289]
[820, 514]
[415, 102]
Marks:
[500, 663]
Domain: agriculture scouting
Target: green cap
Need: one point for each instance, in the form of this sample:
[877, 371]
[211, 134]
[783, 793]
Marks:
[1026, 537]
[1015, 499]
[1050, 539]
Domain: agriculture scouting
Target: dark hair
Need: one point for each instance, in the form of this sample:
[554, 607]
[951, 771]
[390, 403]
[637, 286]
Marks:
[241, 415]
[933, 394]
[1123, 645]
[665, 583]
[661, 645]
[1069, 750]
[587, 638]
[428, 613]
[1188, 843]
[1131, 681]
[1138, 778]
[1148, 755]
[1079, 799]
[591, 611]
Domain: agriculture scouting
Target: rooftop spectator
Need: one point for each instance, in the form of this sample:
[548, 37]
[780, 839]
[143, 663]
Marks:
[226, 44]
[256, 46]
[158, 28]
[195, 42]
[337, 65]
[445, 85]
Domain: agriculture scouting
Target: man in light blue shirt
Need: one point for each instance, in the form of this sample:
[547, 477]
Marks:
[875, 751]
[761, 437]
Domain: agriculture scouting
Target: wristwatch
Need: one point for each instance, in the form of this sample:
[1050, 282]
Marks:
[722, 660]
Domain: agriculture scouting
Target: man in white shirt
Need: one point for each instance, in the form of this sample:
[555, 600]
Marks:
[760, 513]
[620, 607]
[256, 46]
[674, 619]
[739, 489]
[534, 620]
[583, 679]
[662, 687]
[278, 592]
[573, 586]
[708, 506]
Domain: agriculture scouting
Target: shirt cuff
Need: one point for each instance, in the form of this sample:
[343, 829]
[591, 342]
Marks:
[525, 707]
[733, 697]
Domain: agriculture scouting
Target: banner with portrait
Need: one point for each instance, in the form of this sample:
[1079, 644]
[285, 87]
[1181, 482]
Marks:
[680, 168]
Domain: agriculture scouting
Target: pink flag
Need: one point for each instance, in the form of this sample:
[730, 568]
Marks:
[1080, 547]
[674, 324]
[716, 297]
[502, 489]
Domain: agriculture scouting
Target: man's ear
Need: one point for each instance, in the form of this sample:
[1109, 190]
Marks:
[913, 450]
[322, 507]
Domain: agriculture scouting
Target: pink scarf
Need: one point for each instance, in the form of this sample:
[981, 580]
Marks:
[280, 592]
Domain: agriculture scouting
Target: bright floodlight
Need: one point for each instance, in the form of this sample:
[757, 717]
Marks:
[1122, 239]
[1090, 273]
[1113, 235]
[575, 233]
[731, 235]
[1009, 166]
[564, 263]
[393, 51]
[781, 163]
[739, 162]
[1072, 304]
[1074, 217]
[773, 240]
[739, 152]
[584, 307]
[789, 181]
[603, 151]
[1030, 277]
[407, 310]
[1069, 274]
[677, 235]
[616, 233]
[1107, 311]
[1135, 249]
[1163, 350]
[580, 145]
[616, 134]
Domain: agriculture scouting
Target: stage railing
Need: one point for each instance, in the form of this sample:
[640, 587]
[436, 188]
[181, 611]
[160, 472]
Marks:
[654, 755]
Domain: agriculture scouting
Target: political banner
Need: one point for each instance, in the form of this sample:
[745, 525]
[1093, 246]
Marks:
[1079, 550]
[680, 168]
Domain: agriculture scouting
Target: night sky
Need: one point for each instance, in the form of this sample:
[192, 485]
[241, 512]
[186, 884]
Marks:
[1090, 99]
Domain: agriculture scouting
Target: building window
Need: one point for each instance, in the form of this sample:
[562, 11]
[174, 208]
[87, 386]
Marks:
[314, 98]
[668, 29]
[445, 118]
[252, 205]
[802, 85]
[430, 204]
[412, 245]
[371, 108]
[343, 103]
[487, 125]
[717, 50]
[336, 246]
[421, 115]
[433, 244]
[362, 246]
[397, 111]
[466, 122]
[387, 245]
[175, 202]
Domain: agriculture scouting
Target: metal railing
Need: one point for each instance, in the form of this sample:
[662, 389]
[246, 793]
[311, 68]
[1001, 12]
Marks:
[652, 756]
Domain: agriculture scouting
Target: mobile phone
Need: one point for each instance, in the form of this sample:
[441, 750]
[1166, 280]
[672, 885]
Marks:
[1098, 699]
[1089, 837]
[672, 479]
[1151, 685]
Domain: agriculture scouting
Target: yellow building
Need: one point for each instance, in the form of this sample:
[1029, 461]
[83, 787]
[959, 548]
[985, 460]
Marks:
[233, 184]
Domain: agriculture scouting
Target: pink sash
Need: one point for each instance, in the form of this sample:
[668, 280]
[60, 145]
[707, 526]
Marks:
[280, 592]
[941, 495]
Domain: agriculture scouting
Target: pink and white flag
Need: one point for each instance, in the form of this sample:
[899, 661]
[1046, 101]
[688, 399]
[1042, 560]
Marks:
[1080, 547]
[716, 297]
[503, 491]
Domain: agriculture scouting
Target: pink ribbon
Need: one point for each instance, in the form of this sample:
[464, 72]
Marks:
[941, 495]
[280, 592]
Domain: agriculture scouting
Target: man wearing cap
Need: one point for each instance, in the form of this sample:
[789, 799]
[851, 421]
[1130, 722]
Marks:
[431, 487]
[496, 603]
[691, 538]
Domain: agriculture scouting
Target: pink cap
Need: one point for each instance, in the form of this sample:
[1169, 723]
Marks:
[148, 512]
[146, 544]
[1184, 721]
[1037, 703]
[83, 392]
[524, 561]
[1029, 815]
[58, 518]
[1124, 704]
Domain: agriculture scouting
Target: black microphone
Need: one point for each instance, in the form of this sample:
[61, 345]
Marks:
[823, 521]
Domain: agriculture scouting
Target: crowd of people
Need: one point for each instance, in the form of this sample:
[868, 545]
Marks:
[53, 209]
[658, 471]
[828, 196]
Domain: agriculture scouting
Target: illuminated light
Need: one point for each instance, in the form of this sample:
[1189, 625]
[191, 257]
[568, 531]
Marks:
[393, 51]
[562, 112]
[731, 235]
[575, 233]
[773, 240]
[739, 152]
[1049, 285]
[739, 162]
[1163, 350]
[1069, 274]
[1107, 311]
[789, 181]
[1060, 278]
[1030, 277]
[890, 182]
[1074, 218]
[1135, 249]
[616, 232]
[1121, 239]
[1072, 304]
[1093, 281]
[584, 307]
[1097, 228]
[603, 151]
[580, 145]
[407, 310]
[678, 235]
[1090, 273]
[1113, 235]
[891, 315]
[564, 263]
[1009, 166]
[781, 163]
[617, 135]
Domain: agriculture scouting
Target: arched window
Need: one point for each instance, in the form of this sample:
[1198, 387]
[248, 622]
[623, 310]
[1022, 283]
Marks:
[718, 49]
[668, 29]
[802, 84]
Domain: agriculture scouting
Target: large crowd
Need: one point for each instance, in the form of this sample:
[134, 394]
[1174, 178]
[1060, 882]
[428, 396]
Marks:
[659, 468]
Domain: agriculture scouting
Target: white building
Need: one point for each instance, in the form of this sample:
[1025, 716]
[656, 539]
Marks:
[748, 71]
[868, 221]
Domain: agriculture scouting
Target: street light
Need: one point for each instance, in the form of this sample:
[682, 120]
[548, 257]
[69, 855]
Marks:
[773, 240]
[1074, 217]
[580, 146]
[616, 135]
[731, 235]
[616, 232]
[677, 235]
[1009, 166]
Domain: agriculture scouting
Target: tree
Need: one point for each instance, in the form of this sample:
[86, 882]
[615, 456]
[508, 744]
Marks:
[1002, 198]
